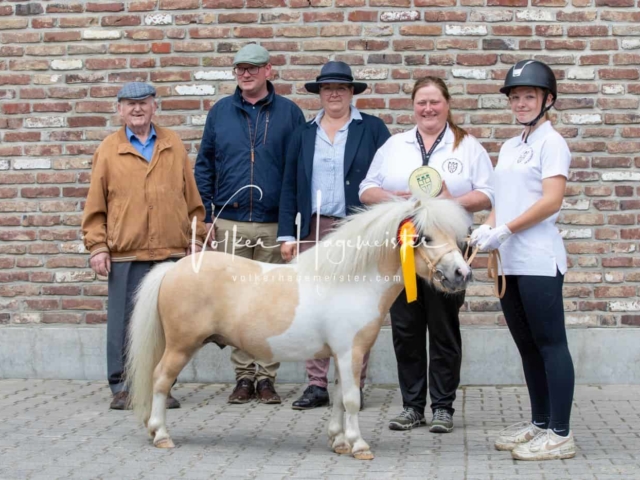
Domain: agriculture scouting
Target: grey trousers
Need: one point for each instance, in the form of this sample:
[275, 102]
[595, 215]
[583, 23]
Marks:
[124, 278]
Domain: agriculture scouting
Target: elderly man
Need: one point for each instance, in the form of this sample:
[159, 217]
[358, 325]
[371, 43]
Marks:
[244, 143]
[139, 210]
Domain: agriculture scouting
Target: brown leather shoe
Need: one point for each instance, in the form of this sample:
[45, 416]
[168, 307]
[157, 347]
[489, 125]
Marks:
[244, 391]
[172, 402]
[120, 401]
[267, 393]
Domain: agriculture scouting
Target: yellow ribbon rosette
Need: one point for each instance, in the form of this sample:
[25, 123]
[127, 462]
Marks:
[407, 238]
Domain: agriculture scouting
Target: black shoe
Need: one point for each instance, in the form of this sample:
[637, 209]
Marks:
[313, 397]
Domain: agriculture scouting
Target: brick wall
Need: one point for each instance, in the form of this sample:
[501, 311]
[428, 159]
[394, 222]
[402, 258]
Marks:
[61, 64]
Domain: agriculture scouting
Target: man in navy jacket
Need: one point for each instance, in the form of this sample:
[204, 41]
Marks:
[239, 175]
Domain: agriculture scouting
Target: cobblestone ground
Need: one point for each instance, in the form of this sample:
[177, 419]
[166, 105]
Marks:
[53, 429]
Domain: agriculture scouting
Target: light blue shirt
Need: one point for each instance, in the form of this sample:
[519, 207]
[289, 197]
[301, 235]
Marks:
[145, 149]
[328, 168]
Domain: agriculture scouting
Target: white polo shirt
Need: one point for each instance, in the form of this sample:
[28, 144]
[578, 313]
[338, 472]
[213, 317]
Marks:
[465, 169]
[538, 250]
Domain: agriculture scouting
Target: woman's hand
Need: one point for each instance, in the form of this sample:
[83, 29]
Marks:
[288, 251]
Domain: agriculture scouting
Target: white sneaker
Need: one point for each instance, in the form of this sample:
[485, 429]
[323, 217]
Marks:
[516, 434]
[546, 446]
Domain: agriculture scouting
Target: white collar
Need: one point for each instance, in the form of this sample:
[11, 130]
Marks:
[354, 115]
[538, 133]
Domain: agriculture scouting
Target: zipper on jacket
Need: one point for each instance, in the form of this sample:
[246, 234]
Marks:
[252, 141]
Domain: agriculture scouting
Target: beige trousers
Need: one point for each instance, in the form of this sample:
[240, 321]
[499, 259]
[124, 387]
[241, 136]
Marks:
[262, 247]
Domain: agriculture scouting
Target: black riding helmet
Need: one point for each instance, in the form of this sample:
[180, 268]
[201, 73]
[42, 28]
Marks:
[532, 73]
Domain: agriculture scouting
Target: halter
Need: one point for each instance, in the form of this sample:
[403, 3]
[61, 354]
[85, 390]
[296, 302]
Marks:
[433, 272]
[494, 268]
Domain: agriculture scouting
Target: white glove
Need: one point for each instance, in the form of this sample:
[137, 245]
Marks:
[496, 237]
[480, 234]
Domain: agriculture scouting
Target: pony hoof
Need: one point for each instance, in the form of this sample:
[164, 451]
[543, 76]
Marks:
[366, 455]
[342, 449]
[164, 443]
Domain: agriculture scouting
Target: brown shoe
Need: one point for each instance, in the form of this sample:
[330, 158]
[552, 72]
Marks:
[172, 402]
[267, 393]
[244, 391]
[120, 401]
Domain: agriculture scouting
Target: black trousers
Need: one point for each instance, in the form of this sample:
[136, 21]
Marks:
[124, 279]
[409, 322]
[534, 311]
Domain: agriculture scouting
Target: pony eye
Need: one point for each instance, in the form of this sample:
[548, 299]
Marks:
[426, 239]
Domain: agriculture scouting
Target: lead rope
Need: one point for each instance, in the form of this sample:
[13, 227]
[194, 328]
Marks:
[494, 268]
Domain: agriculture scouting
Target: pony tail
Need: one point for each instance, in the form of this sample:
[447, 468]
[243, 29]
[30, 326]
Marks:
[458, 132]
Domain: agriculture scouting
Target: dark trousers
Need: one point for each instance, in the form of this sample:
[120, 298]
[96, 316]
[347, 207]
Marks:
[409, 322]
[124, 279]
[534, 312]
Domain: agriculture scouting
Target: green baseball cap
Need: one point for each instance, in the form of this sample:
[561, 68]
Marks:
[252, 54]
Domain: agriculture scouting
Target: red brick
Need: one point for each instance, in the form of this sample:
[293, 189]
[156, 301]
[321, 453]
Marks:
[588, 31]
[65, 8]
[62, 36]
[421, 30]
[76, 122]
[614, 3]
[42, 304]
[52, 107]
[362, 16]
[61, 318]
[82, 304]
[368, 45]
[39, 192]
[238, 18]
[312, 17]
[96, 318]
[75, 192]
[578, 16]
[142, 5]
[475, 59]
[618, 74]
[15, 108]
[105, 7]
[604, 44]
[182, 104]
[61, 290]
[180, 4]
[512, 30]
[8, 277]
[630, 233]
[619, 17]
[633, 320]
[565, 44]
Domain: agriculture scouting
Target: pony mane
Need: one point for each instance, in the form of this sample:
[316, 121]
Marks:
[369, 235]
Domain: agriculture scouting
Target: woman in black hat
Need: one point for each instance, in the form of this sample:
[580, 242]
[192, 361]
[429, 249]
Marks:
[327, 159]
[530, 180]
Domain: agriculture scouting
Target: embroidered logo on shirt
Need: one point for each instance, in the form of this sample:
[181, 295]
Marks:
[525, 156]
[452, 165]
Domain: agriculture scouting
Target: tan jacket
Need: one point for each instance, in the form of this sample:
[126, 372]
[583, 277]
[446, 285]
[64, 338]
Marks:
[139, 210]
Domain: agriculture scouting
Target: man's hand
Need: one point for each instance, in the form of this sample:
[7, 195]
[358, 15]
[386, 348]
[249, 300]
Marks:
[197, 248]
[288, 251]
[210, 228]
[101, 264]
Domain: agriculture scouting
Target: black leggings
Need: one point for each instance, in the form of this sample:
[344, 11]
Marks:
[534, 311]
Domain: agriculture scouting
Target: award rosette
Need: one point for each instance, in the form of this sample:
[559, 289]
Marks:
[425, 181]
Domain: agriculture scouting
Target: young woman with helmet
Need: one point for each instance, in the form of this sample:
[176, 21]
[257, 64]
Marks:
[529, 185]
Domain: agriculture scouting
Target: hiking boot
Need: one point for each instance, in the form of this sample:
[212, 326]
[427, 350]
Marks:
[442, 421]
[266, 392]
[312, 397]
[243, 393]
[546, 445]
[120, 401]
[407, 420]
[172, 402]
[516, 434]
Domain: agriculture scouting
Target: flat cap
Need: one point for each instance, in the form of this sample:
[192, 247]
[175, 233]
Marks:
[252, 54]
[136, 91]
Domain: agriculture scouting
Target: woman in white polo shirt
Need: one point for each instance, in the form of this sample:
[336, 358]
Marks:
[529, 182]
[466, 171]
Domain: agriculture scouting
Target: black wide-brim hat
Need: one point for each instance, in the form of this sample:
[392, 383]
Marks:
[335, 72]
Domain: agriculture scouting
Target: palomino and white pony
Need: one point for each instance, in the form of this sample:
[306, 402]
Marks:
[331, 308]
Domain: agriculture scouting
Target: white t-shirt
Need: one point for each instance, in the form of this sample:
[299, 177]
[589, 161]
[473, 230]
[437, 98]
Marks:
[465, 169]
[518, 185]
